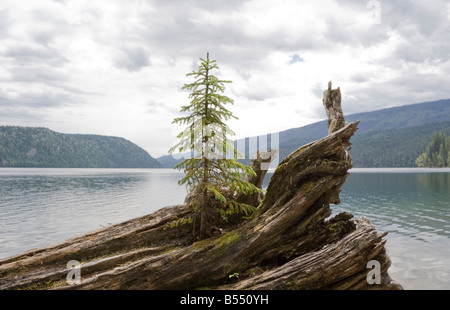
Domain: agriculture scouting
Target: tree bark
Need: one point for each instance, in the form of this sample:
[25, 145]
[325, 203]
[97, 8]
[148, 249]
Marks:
[260, 165]
[289, 243]
[332, 104]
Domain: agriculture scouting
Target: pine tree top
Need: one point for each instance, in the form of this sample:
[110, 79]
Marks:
[213, 168]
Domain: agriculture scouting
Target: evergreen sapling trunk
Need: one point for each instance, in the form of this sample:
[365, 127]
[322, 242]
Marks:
[212, 173]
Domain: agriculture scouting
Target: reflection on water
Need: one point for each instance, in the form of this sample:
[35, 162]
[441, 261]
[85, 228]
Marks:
[413, 206]
[39, 207]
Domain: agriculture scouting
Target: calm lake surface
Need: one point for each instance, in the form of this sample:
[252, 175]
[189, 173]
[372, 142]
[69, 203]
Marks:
[41, 207]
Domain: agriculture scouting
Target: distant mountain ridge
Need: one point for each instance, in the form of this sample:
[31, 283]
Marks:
[391, 118]
[44, 148]
[371, 126]
[398, 147]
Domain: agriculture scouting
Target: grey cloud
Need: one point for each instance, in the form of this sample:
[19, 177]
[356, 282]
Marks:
[41, 101]
[424, 27]
[56, 78]
[133, 59]
[340, 32]
[256, 95]
[43, 37]
[318, 90]
[158, 107]
[422, 49]
[368, 94]
[54, 24]
[172, 29]
[244, 74]
[261, 91]
[34, 59]
[28, 54]
[36, 73]
[4, 23]
[410, 88]
[411, 17]
[220, 6]
[35, 45]
[15, 116]
[29, 65]
[155, 106]
[360, 78]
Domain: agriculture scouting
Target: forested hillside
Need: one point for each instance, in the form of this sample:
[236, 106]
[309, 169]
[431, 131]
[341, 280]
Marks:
[394, 147]
[412, 115]
[437, 152]
[392, 137]
[41, 147]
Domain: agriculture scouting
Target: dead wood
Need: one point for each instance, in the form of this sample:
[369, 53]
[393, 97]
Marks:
[289, 243]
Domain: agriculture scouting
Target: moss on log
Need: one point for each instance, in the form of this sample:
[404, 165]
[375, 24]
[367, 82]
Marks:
[289, 243]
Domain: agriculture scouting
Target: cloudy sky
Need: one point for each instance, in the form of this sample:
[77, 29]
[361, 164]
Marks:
[116, 67]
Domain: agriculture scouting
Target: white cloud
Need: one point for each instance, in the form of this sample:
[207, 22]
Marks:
[117, 67]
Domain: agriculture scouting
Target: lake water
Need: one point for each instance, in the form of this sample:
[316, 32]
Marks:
[41, 207]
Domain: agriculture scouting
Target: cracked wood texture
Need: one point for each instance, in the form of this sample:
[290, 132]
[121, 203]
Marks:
[290, 242]
[332, 104]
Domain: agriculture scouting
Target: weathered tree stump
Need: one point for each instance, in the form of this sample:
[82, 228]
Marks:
[289, 243]
[260, 164]
[332, 104]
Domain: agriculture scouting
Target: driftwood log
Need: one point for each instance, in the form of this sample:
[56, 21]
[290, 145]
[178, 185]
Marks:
[290, 242]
